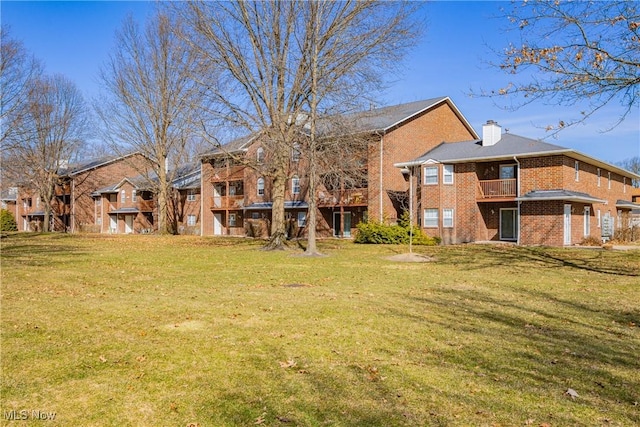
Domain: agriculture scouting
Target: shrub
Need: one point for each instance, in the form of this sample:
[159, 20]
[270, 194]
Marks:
[591, 241]
[394, 234]
[7, 221]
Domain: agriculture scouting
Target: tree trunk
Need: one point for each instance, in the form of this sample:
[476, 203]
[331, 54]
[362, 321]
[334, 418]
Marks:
[277, 239]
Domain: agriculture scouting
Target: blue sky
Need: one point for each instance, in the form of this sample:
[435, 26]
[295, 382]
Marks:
[75, 38]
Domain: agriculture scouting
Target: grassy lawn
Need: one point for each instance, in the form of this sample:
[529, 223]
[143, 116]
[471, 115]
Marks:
[178, 331]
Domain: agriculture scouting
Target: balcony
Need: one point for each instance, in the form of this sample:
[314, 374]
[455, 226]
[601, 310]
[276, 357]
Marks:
[497, 190]
[140, 205]
[227, 202]
[350, 197]
[232, 173]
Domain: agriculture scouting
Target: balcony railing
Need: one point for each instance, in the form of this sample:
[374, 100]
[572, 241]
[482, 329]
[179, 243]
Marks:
[233, 173]
[141, 205]
[497, 189]
[350, 197]
[227, 202]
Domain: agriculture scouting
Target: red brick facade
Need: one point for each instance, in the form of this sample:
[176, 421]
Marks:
[540, 222]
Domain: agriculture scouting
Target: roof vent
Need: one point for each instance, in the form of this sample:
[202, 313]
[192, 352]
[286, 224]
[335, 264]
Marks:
[491, 133]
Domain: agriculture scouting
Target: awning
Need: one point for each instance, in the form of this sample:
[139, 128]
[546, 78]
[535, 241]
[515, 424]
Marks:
[564, 195]
[125, 211]
[625, 204]
[269, 205]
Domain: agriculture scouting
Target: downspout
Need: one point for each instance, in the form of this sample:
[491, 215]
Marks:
[518, 196]
[381, 181]
[72, 201]
[202, 199]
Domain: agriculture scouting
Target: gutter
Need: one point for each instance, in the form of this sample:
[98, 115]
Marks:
[381, 175]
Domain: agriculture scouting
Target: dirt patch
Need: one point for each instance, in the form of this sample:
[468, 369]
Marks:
[189, 325]
[410, 258]
[296, 285]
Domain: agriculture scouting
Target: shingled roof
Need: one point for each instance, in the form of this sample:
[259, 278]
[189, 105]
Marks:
[508, 147]
[375, 120]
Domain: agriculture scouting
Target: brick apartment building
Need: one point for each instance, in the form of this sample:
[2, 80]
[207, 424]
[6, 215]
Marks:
[507, 187]
[237, 199]
[73, 207]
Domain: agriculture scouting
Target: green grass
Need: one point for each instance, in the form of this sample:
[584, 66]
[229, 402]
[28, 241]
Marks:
[177, 331]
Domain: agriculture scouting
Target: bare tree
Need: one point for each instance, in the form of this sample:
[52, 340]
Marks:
[350, 47]
[284, 64]
[632, 164]
[573, 51]
[53, 125]
[152, 104]
[17, 68]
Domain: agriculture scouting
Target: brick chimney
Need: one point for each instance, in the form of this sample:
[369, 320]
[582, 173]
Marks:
[491, 133]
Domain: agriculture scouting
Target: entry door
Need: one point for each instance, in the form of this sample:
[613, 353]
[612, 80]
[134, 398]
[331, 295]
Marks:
[508, 224]
[217, 198]
[347, 224]
[567, 224]
[217, 224]
[113, 224]
[128, 224]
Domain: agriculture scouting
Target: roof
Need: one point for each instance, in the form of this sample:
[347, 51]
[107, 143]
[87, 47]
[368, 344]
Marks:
[376, 120]
[187, 176]
[9, 195]
[625, 204]
[385, 119]
[94, 163]
[565, 195]
[508, 147]
[287, 205]
[138, 182]
[238, 144]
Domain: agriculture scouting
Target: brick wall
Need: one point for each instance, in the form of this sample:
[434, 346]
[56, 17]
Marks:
[85, 183]
[410, 140]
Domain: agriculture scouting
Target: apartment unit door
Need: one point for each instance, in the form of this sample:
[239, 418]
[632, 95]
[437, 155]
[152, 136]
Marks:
[509, 224]
[113, 224]
[567, 224]
[128, 224]
[346, 220]
[217, 224]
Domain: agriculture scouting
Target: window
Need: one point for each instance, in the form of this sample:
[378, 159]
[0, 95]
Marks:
[609, 180]
[431, 175]
[260, 155]
[430, 218]
[507, 171]
[599, 219]
[260, 186]
[302, 219]
[133, 196]
[123, 196]
[233, 220]
[295, 154]
[587, 217]
[191, 220]
[447, 174]
[577, 167]
[599, 174]
[99, 221]
[191, 196]
[255, 215]
[447, 218]
[295, 185]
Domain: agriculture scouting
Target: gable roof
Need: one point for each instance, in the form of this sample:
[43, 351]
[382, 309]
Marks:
[377, 120]
[384, 119]
[94, 163]
[508, 147]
